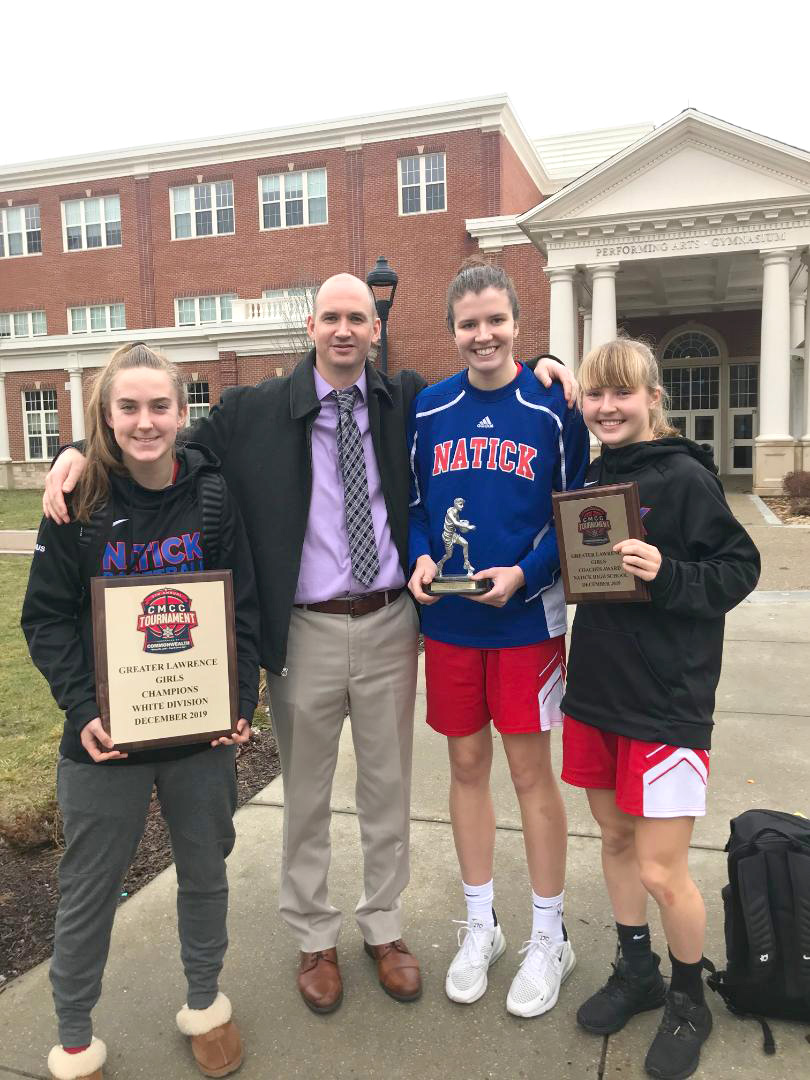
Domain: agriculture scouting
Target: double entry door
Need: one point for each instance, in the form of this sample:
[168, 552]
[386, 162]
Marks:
[694, 403]
[696, 394]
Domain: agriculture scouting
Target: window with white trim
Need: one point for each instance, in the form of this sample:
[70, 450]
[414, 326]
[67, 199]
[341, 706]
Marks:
[199, 400]
[203, 310]
[202, 210]
[91, 223]
[96, 319]
[293, 198]
[23, 324]
[289, 305]
[20, 231]
[41, 424]
[422, 184]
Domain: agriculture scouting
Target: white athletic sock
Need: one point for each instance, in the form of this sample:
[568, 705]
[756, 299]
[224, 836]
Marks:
[479, 903]
[547, 915]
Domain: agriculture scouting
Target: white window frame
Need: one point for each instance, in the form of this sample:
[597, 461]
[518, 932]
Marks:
[104, 222]
[291, 299]
[108, 328]
[10, 315]
[212, 186]
[218, 321]
[42, 412]
[305, 197]
[4, 231]
[422, 184]
[195, 407]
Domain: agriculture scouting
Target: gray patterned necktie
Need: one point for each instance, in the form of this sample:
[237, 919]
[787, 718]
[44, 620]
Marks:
[359, 525]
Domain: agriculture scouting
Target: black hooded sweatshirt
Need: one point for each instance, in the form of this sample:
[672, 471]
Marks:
[649, 671]
[143, 532]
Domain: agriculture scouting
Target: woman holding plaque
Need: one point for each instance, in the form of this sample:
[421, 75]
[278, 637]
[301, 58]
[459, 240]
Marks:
[488, 447]
[138, 510]
[641, 684]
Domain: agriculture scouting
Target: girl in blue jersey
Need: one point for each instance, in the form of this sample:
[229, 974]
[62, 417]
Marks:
[488, 446]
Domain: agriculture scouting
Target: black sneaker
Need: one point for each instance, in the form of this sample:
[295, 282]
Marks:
[675, 1050]
[622, 996]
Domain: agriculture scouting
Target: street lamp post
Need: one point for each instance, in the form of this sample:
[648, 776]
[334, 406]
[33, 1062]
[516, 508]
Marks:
[382, 281]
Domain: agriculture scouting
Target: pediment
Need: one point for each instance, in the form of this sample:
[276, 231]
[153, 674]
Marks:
[693, 161]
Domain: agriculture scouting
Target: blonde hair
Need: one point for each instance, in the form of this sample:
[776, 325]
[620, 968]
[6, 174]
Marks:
[101, 450]
[630, 364]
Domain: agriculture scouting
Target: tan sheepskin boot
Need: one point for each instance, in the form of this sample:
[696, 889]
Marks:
[84, 1066]
[215, 1040]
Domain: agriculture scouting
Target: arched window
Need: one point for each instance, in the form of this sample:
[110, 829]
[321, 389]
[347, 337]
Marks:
[691, 345]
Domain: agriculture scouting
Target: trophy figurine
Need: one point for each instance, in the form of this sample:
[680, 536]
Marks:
[453, 532]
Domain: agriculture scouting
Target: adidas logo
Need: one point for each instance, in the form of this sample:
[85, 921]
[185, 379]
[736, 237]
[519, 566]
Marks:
[486, 423]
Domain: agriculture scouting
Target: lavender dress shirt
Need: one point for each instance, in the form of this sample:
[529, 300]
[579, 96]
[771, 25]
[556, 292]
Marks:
[326, 566]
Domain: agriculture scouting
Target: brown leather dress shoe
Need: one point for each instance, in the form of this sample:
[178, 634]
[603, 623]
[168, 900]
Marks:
[319, 980]
[398, 970]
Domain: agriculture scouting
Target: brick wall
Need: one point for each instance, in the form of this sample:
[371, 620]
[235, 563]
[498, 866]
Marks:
[739, 329]
[483, 177]
[518, 191]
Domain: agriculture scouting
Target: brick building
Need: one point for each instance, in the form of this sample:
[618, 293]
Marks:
[209, 251]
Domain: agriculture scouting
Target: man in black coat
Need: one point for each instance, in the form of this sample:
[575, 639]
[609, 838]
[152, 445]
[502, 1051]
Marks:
[337, 624]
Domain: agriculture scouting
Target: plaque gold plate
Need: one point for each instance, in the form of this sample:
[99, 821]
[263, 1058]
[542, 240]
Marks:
[589, 522]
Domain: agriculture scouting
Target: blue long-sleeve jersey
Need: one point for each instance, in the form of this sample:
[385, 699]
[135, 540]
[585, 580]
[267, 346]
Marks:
[503, 452]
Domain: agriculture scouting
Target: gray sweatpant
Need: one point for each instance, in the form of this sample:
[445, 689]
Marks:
[104, 810]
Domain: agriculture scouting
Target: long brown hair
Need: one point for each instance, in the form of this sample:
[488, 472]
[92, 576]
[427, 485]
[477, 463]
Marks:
[628, 363]
[101, 450]
[476, 274]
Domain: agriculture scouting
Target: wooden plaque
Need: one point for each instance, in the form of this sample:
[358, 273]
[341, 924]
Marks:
[589, 522]
[165, 655]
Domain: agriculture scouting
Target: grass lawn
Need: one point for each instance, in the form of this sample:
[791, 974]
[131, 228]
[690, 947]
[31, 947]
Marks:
[20, 509]
[30, 722]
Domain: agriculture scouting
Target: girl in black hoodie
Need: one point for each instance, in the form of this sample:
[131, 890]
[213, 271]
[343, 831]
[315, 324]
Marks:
[138, 506]
[641, 684]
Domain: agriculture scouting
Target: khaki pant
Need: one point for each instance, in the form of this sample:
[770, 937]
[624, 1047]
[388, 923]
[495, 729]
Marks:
[368, 663]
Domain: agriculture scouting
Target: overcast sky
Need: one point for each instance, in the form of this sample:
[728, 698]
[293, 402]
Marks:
[89, 76]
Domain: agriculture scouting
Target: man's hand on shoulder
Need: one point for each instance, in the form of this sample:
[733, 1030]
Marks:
[549, 371]
[60, 481]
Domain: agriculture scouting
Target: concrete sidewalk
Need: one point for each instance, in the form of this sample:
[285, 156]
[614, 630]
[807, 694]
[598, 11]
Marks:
[17, 541]
[762, 746]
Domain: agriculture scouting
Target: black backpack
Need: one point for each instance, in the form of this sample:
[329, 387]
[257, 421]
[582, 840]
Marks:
[767, 919]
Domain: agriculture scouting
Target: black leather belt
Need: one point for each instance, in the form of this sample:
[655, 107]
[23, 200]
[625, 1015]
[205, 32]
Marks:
[355, 605]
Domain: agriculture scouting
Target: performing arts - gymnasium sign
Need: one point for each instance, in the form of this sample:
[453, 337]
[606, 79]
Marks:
[689, 238]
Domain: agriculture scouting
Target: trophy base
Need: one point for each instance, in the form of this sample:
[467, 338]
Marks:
[458, 585]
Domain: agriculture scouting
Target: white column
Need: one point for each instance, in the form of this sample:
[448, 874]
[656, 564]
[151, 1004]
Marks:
[586, 333]
[603, 307]
[806, 436]
[797, 309]
[774, 367]
[5, 454]
[76, 403]
[562, 330]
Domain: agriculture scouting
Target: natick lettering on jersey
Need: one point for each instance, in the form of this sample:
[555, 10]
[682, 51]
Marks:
[480, 452]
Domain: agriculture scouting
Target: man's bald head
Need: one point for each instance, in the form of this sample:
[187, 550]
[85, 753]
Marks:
[342, 282]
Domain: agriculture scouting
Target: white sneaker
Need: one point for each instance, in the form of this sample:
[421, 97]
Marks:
[536, 986]
[479, 947]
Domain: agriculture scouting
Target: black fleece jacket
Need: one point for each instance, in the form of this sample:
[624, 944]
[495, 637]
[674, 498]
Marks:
[263, 436]
[56, 615]
[650, 671]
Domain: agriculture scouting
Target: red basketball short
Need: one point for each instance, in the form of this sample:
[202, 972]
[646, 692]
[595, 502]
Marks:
[652, 780]
[519, 689]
